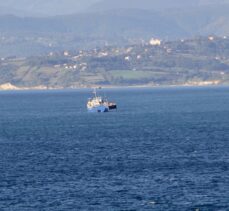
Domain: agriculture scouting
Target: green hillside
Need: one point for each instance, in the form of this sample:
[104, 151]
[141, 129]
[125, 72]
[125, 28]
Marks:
[200, 61]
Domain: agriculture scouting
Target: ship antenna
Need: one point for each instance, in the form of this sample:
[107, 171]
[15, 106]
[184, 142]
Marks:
[94, 91]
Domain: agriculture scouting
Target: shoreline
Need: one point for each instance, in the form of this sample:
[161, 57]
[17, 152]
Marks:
[10, 87]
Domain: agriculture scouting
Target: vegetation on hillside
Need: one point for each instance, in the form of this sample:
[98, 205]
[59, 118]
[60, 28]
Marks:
[199, 61]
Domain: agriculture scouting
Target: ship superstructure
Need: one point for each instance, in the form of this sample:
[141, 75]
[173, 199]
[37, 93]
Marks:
[99, 104]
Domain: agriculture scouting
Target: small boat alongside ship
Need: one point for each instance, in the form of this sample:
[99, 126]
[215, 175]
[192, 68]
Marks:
[100, 104]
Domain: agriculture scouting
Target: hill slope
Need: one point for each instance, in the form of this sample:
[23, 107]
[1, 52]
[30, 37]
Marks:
[201, 61]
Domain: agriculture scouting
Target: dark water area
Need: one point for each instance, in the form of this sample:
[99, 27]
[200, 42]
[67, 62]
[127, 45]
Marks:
[164, 149]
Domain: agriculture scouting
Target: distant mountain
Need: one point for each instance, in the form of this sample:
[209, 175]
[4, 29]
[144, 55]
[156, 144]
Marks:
[4, 10]
[128, 23]
[117, 23]
[204, 20]
[115, 26]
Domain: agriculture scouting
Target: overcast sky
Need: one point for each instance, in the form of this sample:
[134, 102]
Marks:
[46, 7]
[59, 7]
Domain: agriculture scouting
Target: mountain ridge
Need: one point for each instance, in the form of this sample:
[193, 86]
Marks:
[23, 36]
[184, 22]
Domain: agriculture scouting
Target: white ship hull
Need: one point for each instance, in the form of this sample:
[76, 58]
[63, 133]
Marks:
[100, 108]
[99, 104]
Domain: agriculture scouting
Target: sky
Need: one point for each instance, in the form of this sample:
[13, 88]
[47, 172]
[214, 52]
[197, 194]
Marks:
[45, 7]
[63, 7]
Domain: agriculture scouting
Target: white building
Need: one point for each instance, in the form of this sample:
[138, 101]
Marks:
[155, 42]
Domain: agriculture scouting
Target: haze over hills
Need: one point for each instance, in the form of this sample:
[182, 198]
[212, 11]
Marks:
[103, 22]
[120, 26]
[148, 4]
[44, 7]
[155, 4]
[64, 7]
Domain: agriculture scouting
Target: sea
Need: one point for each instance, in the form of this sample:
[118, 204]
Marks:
[163, 149]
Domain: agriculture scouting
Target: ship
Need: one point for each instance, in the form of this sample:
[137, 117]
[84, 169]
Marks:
[100, 104]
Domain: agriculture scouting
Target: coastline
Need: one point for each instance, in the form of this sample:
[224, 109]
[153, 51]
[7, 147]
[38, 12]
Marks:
[11, 87]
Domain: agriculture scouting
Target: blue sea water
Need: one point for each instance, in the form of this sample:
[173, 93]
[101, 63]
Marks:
[164, 149]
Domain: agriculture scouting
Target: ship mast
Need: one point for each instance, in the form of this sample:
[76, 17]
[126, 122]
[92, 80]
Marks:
[94, 92]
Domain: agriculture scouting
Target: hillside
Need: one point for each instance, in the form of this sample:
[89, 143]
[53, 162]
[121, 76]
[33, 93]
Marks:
[200, 61]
